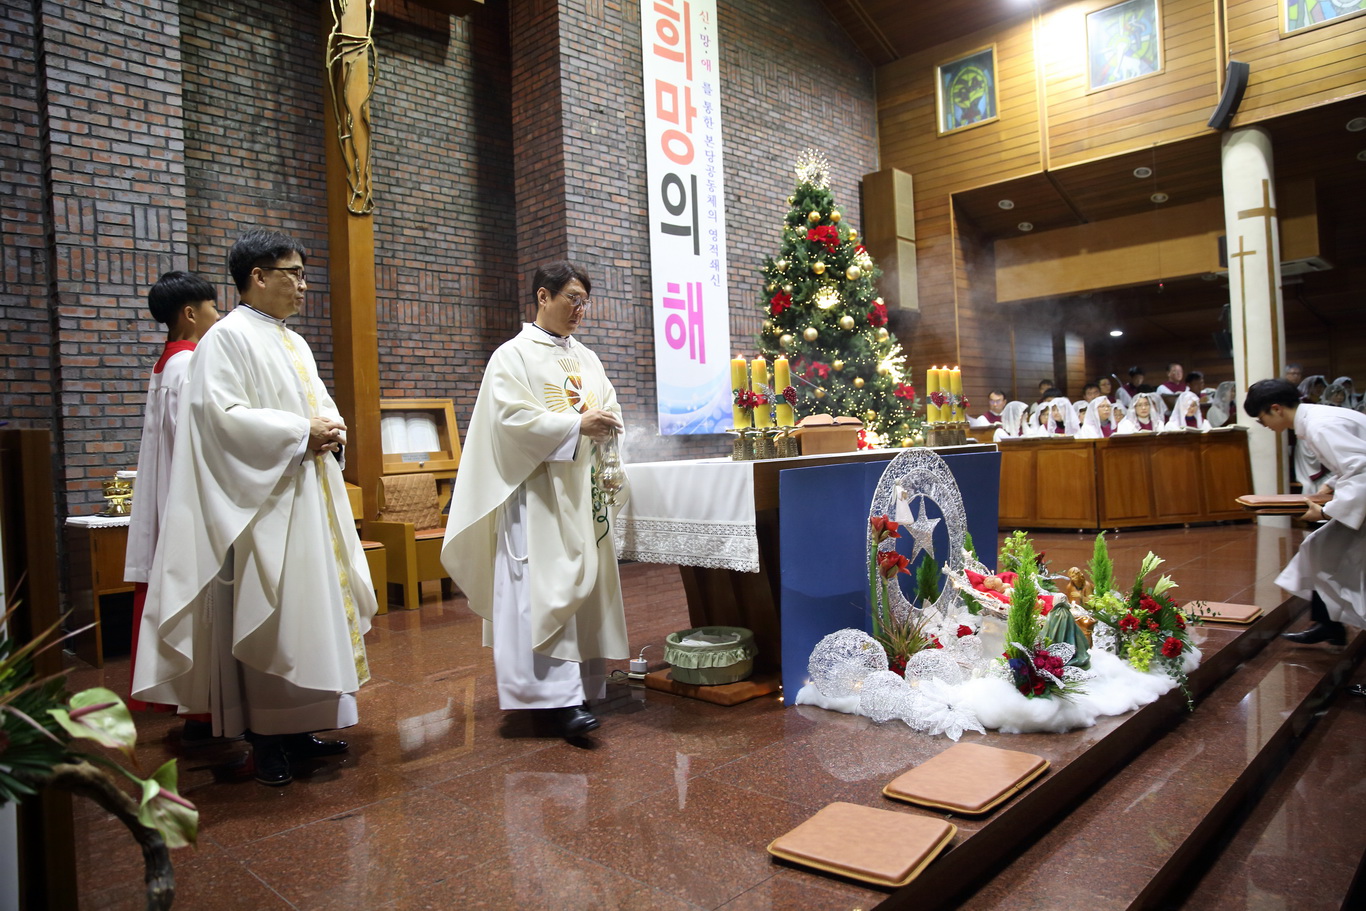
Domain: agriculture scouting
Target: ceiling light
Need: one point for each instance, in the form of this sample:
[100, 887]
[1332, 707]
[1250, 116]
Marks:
[1356, 124]
[1116, 333]
[1159, 197]
[1143, 173]
[1361, 156]
[1026, 226]
[1006, 204]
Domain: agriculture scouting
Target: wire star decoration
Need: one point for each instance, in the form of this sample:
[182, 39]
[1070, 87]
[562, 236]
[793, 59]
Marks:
[921, 530]
[813, 168]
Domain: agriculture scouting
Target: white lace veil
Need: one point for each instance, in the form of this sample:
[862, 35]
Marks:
[1091, 428]
[1177, 419]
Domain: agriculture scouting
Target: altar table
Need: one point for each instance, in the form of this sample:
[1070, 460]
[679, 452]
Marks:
[718, 520]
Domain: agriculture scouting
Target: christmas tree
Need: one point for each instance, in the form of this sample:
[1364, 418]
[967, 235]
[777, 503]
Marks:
[825, 317]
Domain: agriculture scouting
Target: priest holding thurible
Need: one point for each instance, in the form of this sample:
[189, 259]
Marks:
[529, 536]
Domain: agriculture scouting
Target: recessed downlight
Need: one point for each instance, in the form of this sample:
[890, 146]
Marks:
[1116, 333]
[1356, 124]
[1026, 226]
[1159, 197]
[1143, 173]
[1006, 204]
[1361, 156]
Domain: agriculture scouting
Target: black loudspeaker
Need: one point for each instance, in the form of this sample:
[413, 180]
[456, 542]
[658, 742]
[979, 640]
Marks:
[1235, 84]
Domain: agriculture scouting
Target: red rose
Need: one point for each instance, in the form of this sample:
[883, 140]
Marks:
[1129, 622]
[889, 563]
[964, 630]
[779, 302]
[1040, 687]
[1172, 647]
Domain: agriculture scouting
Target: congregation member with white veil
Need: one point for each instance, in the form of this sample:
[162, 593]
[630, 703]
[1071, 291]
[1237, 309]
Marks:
[1336, 394]
[1186, 414]
[1012, 424]
[1311, 388]
[1330, 567]
[1099, 423]
[1059, 418]
[1353, 399]
[1142, 417]
[1222, 409]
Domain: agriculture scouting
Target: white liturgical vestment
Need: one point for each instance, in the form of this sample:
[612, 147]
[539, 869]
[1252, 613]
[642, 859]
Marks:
[523, 446]
[259, 593]
[1332, 560]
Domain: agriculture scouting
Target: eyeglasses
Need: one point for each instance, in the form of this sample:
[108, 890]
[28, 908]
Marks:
[577, 301]
[295, 272]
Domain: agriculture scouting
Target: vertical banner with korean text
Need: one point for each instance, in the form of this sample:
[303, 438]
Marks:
[687, 214]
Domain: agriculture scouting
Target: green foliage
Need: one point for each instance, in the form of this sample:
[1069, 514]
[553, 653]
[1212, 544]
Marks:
[1022, 619]
[968, 545]
[927, 581]
[29, 740]
[1012, 553]
[1101, 568]
[794, 299]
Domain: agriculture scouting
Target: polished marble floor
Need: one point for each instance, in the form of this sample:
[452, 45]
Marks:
[445, 802]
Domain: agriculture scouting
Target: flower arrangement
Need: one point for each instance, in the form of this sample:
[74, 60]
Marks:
[1037, 666]
[1149, 625]
[900, 637]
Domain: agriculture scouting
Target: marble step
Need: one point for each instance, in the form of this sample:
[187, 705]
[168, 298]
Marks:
[1303, 842]
[1135, 841]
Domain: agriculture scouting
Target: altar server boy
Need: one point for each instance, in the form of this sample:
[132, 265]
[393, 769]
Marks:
[1330, 568]
[187, 305]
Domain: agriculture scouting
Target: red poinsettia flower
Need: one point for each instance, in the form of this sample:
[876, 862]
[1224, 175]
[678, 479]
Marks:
[884, 528]
[964, 403]
[1172, 647]
[863, 440]
[828, 235]
[889, 563]
[860, 249]
[964, 630]
[878, 315]
[904, 391]
[1128, 622]
[818, 370]
[779, 302]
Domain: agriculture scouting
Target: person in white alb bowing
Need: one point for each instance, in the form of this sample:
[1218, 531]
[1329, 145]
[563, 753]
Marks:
[529, 538]
[259, 594]
[187, 306]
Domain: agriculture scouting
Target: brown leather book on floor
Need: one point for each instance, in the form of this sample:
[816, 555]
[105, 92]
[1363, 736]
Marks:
[1274, 504]
[882, 847]
[1219, 612]
[967, 778]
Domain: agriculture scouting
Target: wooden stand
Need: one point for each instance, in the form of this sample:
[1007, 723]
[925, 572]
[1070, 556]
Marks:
[97, 556]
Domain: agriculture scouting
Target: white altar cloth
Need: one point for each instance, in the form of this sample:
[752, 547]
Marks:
[698, 512]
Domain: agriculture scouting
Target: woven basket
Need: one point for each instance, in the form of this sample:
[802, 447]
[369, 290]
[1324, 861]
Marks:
[711, 665]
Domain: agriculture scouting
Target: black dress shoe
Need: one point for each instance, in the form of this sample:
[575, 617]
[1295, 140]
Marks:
[306, 746]
[1332, 632]
[272, 762]
[571, 721]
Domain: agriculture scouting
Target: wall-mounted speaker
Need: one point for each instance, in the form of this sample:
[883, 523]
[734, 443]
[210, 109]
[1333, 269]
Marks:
[1235, 84]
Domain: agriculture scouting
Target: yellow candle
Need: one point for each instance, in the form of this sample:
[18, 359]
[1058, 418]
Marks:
[782, 378]
[739, 379]
[758, 376]
[956, 387]
[932, 385]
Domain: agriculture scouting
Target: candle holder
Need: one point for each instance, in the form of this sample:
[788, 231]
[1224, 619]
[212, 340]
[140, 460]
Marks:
[742, 446]
[119, 493]
[764, 443]
[786, 443]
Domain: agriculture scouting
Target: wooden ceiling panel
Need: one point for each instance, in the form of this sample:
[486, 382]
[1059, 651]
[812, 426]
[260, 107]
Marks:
[1036, 200]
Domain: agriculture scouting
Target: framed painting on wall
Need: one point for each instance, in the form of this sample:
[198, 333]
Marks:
[1297, 15]
[1123, 43]
[965, 91]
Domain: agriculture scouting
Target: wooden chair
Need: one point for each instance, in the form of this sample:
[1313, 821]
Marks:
[411, 528]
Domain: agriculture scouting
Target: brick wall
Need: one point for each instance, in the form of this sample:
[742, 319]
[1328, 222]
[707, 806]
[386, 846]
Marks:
[25, 329]
[791, 79]
[116, 184]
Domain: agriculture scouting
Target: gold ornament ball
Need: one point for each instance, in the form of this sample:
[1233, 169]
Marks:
[852, 272]
[837, 365]
[771, 287]
[818, 267]
[781, 265]
[870, 415]
[853, 235]
[883, 370]
[907, 442]
[918, 439]
[835, 216]
[846, 322]
[785, 339]
[791, 200]
[883, 334]
[810, 333]
[813, 216]
[768, 326]
[820, 392]
[858, 382]
[787, 289]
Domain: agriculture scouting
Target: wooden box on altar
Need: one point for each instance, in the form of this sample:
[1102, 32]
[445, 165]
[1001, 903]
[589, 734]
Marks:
[820, 433]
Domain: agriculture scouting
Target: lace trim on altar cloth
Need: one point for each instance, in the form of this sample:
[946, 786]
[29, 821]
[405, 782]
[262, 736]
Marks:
[717, 545]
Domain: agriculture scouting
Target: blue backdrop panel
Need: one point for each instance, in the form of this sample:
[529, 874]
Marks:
[823, 546]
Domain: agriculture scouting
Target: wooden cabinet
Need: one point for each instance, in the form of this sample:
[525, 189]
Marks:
[97, 555]
[1124, 482]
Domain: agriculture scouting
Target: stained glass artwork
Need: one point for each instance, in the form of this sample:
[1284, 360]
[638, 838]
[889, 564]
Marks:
[1301, 14]
[967, 91]
[1123, 42]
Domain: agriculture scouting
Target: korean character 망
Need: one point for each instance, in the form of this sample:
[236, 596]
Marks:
[670, 108]
[685, 326]
[674, 31]
[678, 199]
